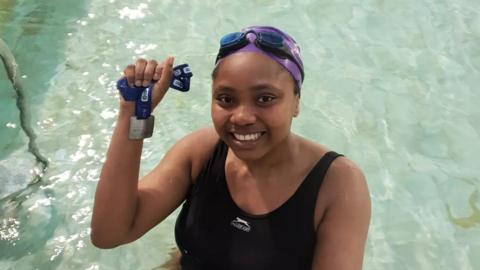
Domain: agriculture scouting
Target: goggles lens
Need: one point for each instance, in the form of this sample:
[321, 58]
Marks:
[266, 41]
[231, 39]
[270, 39]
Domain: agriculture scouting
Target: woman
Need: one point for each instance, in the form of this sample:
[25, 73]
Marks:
[256, 195]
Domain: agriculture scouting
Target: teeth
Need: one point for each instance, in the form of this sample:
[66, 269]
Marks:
[247, 137]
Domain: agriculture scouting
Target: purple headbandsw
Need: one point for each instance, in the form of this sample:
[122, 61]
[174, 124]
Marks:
[286, 62]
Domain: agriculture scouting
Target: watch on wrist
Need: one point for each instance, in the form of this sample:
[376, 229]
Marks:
[141, 128]
[141, 124]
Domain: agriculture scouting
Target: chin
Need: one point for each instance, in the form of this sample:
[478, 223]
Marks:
[247, 150]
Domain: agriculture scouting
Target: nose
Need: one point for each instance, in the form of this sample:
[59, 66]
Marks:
[243, 115]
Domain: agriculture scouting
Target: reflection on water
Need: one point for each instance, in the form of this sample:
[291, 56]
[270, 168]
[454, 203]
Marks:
[32, 210]
[9, 230]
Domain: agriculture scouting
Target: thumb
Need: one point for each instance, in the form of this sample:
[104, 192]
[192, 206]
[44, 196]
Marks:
[162, 85]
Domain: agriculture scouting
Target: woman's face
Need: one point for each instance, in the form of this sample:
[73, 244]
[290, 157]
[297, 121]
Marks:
[253, 103]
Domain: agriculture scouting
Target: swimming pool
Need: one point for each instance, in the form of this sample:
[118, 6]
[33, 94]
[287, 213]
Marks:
[391, 84]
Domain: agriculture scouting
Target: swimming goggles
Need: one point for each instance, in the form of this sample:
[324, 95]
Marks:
[266, 41]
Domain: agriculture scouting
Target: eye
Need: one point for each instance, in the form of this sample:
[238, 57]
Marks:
[265, 99]
[224, 99]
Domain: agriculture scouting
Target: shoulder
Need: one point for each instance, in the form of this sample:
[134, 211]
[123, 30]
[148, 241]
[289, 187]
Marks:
[344, 194]
[198, 146]
[345, 216]
[344, 186]
[345, 178]
[200, 139]
[343, 173]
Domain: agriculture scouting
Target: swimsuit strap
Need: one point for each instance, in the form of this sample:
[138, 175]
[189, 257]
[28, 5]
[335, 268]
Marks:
[321, 168]
[310, 187]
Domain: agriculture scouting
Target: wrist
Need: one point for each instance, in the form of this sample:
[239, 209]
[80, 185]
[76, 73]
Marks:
[126, 109]
[138, 129]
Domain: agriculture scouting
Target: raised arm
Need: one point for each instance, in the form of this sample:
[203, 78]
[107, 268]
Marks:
[342, 232]
[125, 208]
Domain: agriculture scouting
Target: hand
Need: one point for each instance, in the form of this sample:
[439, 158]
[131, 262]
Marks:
[143, 72]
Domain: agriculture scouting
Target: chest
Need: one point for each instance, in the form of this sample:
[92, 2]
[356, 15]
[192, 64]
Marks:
[259, 195]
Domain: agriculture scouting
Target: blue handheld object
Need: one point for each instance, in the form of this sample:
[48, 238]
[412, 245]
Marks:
[143, 95]
[181, 78]
[143, 105]
[129, 93]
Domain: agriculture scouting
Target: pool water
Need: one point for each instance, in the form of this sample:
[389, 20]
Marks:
[391, 84]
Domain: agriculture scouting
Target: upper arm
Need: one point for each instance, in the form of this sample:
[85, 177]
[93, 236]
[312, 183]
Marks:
[342, 232]
[163, 189]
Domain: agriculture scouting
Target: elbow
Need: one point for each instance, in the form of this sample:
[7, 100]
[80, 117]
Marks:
[100, 242]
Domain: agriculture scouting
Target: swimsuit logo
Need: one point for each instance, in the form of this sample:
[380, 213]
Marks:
[241, 224]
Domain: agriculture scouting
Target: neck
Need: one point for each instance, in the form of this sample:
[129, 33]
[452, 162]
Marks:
[282, 155]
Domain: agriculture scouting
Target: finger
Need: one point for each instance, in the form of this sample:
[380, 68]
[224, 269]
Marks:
[163, 84]
[129, 73]
[158, 72]
[139, 71]
[149, 71]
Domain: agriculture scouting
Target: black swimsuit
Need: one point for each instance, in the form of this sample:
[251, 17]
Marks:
[212, 232]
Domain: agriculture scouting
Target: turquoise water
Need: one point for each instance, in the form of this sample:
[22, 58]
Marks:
[391, 84]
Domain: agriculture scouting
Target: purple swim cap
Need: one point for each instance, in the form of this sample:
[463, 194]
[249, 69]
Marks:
[296, 70]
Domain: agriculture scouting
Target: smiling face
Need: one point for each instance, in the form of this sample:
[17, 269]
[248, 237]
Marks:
[253, 103]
